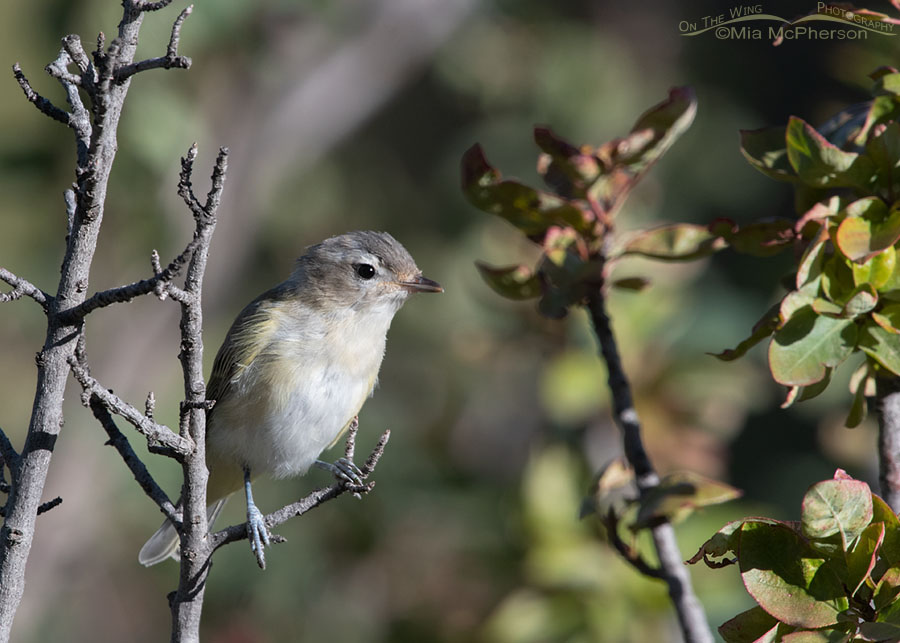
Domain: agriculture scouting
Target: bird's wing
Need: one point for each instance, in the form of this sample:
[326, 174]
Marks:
[246, 339]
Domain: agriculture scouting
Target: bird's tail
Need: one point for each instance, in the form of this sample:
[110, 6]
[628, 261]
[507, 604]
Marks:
[164, 543]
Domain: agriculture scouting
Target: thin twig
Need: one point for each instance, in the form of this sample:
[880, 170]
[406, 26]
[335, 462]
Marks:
[691, 617]
[151, 6]
[631, 556]
[50, 504]
[311, 501]
[9, 454]
[158, 435]
[120, 443]
[22, 288]
[45, 106]
[130, 291]
[170, 61]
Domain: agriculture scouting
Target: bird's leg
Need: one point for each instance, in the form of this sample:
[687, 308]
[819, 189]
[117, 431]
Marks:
[257, 532]
[344, 470]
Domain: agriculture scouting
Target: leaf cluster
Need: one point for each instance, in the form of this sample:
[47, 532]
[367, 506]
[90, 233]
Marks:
[573, 221]
[832, 576]
[844, 297]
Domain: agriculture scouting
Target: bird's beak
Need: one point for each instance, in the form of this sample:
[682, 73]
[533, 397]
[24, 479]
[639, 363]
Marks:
[421, 284]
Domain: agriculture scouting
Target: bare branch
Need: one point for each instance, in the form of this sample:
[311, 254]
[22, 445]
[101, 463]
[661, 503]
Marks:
[128, 292]
[151, 6]
[9, 454]
[631, 556]
[22, 287]
[50, 504]
[691, 616]
[316, 498]
[158, 435]
[45, 106]
[887, 396]
[170, 61]
[71, 206]
[120, 443]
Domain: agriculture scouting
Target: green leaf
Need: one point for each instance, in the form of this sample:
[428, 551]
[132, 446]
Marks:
[884, 150]
[882, 346]
[859, 408]
[883, 109]
[678, 495]
[877, 271]
[804, 297]
[818, 163]
[888, 83]
[726, 542]
[631, 283]
[837, 278]
[675, 242]
[512, 282]
[808, 344]
[863, 555]
[747, 627]
[879, 631]
[881, 512]
[842, 506]
[862, 300]
[764, 238]
[867, 230]
[762, 329]
[626, 160]
[810, 266]
[766, 151]
[787, 578]
[888, 318]
[530, 210]
[828, 635]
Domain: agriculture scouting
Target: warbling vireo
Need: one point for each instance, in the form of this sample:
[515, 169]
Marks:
[296, 367]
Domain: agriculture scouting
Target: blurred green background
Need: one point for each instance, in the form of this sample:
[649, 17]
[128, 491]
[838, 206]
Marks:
[348, 115]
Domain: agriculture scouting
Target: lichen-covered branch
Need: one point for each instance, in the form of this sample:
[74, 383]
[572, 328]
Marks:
[170, 61]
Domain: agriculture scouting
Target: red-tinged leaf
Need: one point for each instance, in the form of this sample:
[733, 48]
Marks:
[747, 627]
[837, 278]
[888, 318]
[667, 121]
[512, 282]
[883, 109]
[827, 635]
[726, 542]
[863, 555]
[842, 506]
[765, 150]
[530, 210]
[631, 283]
[879, 631]
[820, 164]
[802, 298]
[788, 579]
[810, 222]
[804, 393]
[882, 346]
[862, 300]
[567, 169]
[675, 242]
[807, 345]
[888, 588]
[868, 229]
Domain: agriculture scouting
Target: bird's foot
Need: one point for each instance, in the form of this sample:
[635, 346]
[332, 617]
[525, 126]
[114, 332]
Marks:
[344, 470]
[258, 534]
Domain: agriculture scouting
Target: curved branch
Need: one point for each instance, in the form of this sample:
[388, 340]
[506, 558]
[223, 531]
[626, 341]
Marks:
[22, 288]
[171, 60]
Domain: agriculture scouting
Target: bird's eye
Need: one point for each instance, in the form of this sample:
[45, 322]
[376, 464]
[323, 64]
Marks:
[364, 270]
